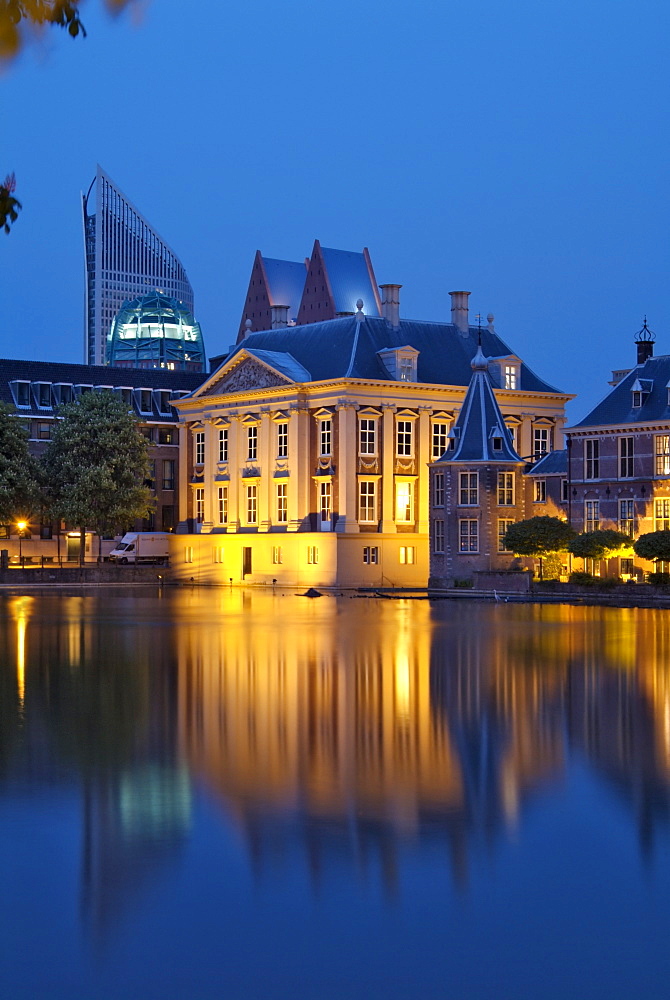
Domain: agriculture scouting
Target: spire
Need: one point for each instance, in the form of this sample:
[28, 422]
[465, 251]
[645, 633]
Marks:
[480, 433]
[644, 339]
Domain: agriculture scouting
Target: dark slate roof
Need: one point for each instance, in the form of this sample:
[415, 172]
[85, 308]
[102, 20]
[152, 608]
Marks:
[350, 280]
[553, 464]
[95, 375]
[480, 423]
[617, 406]
[283, 363]
[344, 347]
[286, 281]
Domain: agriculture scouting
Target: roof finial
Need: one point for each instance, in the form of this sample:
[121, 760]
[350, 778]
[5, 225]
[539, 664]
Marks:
[478, 317]
[359, 306]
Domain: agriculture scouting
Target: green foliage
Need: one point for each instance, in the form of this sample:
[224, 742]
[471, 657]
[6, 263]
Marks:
[95, 465]
[19, 472]
[602, 544]
[654, 545]
[552, 564]
[539, 536]
[464, 584]
[659, 579]
[583, 579]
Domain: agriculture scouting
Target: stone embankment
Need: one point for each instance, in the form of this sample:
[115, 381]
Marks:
[104, 574]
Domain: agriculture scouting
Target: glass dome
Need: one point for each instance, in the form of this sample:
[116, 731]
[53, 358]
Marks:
[156, 331]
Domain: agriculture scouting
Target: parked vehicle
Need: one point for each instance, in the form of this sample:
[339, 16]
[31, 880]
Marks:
[142, 547]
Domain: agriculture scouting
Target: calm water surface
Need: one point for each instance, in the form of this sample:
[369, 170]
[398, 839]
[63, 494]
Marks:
[234, 795]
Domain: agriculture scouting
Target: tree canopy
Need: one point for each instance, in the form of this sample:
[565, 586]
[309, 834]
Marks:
[20, 18]
[96, 464]
[654, 545]
[539, 536]
[601, 544]
[9, 205]
[19, 473]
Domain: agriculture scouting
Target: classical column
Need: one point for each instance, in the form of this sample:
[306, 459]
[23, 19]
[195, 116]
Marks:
[422, 452]
[234, 470]
[347, 478]
[387, 454]
[209, 472]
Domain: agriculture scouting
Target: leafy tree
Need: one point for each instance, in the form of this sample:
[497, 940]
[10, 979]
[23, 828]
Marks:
[20, 17]
[539, 536]
[601, 544]
[95, 465]
[654, 545]
[19, 471]
[9, 205]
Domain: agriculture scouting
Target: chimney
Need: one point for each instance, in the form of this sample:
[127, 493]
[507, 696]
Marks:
[645, 343]
[279, 316]
[459, 311]
[391, 304]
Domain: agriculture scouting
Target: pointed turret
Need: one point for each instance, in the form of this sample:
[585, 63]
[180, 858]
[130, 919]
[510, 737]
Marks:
[480, 433]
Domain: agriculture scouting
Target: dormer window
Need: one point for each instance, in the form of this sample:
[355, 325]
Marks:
[42, 391]
[21, 393]
[497, 444]
[637, 399]
[511, 377]
[640, 389]
[400, 362]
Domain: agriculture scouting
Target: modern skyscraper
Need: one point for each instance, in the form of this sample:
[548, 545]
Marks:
[125, 258]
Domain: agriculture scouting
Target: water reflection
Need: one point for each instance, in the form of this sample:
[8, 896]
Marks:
[345, 729]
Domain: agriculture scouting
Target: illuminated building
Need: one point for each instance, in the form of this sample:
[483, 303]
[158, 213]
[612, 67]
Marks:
[155, 331]
[36, 389]
[125, 258]
[305, 454]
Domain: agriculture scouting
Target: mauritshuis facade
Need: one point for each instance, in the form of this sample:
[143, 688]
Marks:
[306, 453]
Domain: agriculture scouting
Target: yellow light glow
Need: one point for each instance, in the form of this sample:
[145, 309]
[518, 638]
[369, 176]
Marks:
[21, 525]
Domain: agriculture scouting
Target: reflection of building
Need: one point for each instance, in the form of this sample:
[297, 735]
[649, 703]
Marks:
[36, 389]
[125, 258]
[155, 331]
[305, 455]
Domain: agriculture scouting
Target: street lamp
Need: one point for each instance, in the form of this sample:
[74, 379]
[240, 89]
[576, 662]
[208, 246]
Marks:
[21, 525]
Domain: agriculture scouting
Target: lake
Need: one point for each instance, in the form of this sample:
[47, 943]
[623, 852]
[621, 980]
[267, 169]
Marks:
[235, 794]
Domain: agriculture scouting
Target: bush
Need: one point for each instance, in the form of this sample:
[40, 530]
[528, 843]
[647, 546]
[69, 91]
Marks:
[464, 584]
[659, 579]
[584, 579]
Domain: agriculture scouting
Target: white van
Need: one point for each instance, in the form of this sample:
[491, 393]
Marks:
[142, 547]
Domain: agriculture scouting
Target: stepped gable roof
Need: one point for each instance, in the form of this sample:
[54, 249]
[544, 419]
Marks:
[347, 347]
[350, 278]
[480, 433]
[555, 463]
[96, 375]
[286, 280]
[651, 379]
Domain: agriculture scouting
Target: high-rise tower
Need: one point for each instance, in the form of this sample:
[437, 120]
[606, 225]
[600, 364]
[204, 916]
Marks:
[125, 258]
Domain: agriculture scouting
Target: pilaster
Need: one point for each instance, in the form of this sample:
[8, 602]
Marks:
[347, 522]
[387, 443]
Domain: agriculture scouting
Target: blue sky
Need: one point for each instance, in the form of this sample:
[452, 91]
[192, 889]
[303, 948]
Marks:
[516, 150]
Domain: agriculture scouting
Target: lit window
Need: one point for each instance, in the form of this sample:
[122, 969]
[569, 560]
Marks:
[541, 441]
[663, 454]
[200, 504]
[469, 489]
[282, 503]
[407, 555]
[252, 443]
[627, 517]
[503, 525]
[370, 555]
[438, 535]
[223, 444]
[312, 555]
[510, 379]
[505, 489]
[404, 438]
[625, 457]
[223, 505]
[404, 502]
[282, 440]
[252, 501]
[199, 447]
[367, 437]
[325, 500]
[662, 515]
[468, 532]
[277, 557]
[325, 435]
[591, 515]
[540, 491]
[439, 440]
[366, 500]
[438, 489]
[592, 459]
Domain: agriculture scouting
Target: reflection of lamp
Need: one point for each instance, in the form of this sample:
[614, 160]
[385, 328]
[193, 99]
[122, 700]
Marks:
[21, 525]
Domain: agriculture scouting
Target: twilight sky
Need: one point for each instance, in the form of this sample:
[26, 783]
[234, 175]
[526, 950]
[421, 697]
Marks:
[516, 150]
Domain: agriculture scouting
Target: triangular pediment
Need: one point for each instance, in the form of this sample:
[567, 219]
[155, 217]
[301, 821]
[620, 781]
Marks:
[243, 373]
